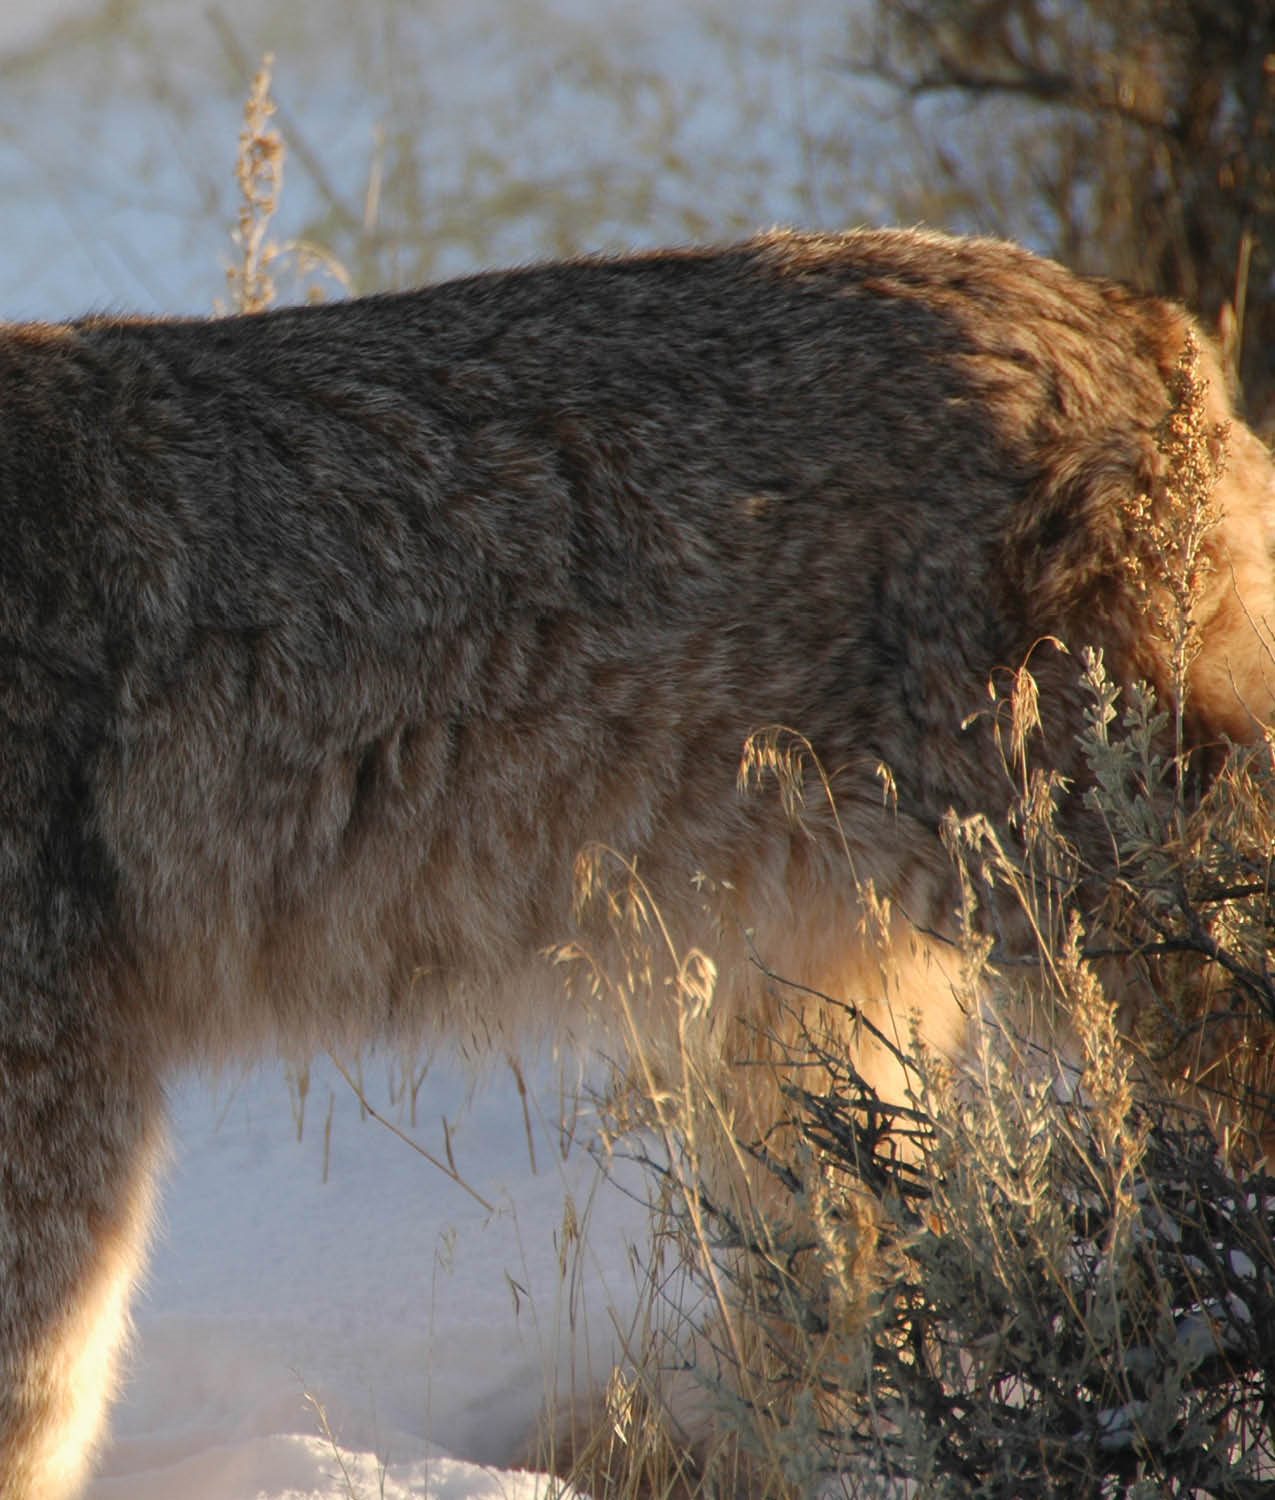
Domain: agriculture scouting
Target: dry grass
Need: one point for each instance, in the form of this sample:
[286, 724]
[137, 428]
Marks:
[1065, 1284]
[260, 260]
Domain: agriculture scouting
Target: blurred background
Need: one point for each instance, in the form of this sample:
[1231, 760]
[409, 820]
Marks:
[426, 137]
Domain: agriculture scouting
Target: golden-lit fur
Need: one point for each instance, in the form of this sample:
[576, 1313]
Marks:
[331, 637]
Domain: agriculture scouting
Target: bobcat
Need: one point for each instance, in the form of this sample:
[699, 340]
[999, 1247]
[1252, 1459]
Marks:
[330, 637]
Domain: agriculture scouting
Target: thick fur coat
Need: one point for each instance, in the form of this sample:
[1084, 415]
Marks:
[330, 637]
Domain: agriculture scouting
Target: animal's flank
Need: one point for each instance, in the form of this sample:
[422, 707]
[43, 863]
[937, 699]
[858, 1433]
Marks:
[331, 637]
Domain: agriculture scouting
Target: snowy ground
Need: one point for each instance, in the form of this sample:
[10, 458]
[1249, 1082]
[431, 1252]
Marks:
[426, 1325]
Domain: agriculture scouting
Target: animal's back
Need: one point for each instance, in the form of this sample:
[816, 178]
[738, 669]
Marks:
[457, 582]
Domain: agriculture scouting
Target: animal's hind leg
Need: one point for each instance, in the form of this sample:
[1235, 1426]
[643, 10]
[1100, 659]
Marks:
[80, 1128]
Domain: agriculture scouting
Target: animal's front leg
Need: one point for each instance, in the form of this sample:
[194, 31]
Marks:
[80, 1131]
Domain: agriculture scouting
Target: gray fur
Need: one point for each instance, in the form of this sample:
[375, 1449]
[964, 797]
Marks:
[330, 637]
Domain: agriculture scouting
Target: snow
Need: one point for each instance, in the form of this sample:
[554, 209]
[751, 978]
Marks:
[385, 1303]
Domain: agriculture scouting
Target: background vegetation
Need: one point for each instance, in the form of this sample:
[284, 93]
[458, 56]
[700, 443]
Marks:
[1130, 137]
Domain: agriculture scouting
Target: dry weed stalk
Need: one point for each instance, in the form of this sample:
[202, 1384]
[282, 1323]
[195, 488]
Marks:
[259, 164]
[259, 173]
[1169, 567]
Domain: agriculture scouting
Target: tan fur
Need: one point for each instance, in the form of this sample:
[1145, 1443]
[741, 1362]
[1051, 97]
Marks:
[330, 638]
